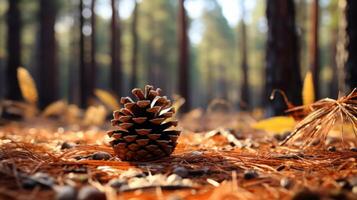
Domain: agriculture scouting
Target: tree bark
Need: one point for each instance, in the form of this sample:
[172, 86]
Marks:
[351, 29]
[333, 84]
[73, 86]
[282, 57]
[82, 64]
[134, 58]
[86, 78]
[210, 81]
[245, 93]
[48, 71]
[14, 50]
[116, 67]
[184, 75]
[314, 46]
[93, 63]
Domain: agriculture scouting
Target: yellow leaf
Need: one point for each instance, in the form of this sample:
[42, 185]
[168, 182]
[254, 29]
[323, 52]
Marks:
[278, 124]
[27, 85]
[56, 108]
[95, 115]
[178, 102]
[107, 98]
[72, 114]
[308, 93]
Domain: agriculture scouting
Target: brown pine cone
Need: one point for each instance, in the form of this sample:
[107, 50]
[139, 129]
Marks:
[143, 131]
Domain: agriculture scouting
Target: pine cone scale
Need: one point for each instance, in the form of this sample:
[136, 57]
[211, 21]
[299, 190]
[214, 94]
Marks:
[139, 120]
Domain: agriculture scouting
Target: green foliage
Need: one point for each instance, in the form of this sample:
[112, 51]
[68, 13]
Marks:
[216, 51]
[158, 43]
[256, 37]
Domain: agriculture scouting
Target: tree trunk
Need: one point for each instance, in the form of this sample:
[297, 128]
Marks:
[73, 71]
[222, 83]
[334, 25]
[245, 93]
[85, 70]
[333, 85]
[93, 63]
[116, 68]
[282, 58]
[314, 46]
[82, 64]
[184, 75]
[351, 29]
[82, 88]
[48, 71]
[14, 50]
[134, 58]
[2, 78]
[210, 83]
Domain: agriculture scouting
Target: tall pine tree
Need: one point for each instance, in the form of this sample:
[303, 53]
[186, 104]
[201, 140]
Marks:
[14, 50]
[48, 71]
[282, 56]
[314, 46]
[134, 56]
[351, 29]
[86, 70]
[184, 75]
[116, 65]
[245, 91]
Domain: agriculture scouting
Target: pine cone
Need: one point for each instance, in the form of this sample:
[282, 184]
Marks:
[143, 131]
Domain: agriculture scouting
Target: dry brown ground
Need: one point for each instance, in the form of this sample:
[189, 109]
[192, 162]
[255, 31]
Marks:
[215, 166]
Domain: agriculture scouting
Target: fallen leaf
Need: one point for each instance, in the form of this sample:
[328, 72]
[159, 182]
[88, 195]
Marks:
[27, 85]
[178, 102]
[107, 98]
[172, 181]
[95, 115]
[308, 93]
[72, 114]
[56, 108]
[278, 124]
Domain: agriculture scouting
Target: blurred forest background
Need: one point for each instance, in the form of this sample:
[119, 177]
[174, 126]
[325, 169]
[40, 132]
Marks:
[237, 50]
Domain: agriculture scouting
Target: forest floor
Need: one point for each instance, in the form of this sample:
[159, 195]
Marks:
[216, 158]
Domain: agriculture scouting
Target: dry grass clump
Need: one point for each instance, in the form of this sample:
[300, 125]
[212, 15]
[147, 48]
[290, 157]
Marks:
[324, 115]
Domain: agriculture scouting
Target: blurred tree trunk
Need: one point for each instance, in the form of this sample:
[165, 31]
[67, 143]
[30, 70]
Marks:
[351, 29]
[82, 67]
[116, 67]
[73, 71]
[333, 9]
[93, 63]
[333, 85]
[134, 58]
[301, 18]
[48, 70]
[151, 59]
[210, 83]
[184, 75]
[314, 46]
[86, 78]
[14, 50]
[282, 57]
[222, 83]
[245, 92]
[2, 77]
